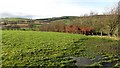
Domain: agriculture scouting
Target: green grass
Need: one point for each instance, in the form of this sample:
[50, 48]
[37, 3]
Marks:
[34, 48]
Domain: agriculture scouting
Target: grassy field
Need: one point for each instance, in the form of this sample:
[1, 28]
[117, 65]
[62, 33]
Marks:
[32, 48]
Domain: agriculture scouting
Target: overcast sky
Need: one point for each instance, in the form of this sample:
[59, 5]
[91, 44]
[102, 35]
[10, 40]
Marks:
[52, 8]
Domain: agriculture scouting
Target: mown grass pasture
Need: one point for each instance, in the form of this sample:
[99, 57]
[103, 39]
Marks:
[34, 48]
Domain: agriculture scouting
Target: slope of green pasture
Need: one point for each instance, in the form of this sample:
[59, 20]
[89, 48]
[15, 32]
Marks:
[13, 19]
[32, 48]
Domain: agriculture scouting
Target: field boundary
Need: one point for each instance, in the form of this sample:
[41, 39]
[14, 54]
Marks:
[113, 38]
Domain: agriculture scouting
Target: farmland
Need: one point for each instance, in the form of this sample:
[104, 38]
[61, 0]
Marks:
[35, 48]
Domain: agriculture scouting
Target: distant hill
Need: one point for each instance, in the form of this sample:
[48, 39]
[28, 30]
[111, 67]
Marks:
[68, 18]
[48, 19]
[64, 19]
[13, 19]
[57, 18]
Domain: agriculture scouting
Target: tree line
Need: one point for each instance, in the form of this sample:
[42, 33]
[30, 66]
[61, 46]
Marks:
[106, 24]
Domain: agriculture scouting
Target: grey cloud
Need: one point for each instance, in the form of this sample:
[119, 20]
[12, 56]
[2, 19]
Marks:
[6, 14]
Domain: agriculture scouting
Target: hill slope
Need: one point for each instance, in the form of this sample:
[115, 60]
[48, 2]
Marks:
[32, 48]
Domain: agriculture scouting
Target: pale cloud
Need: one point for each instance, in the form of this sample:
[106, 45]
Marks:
[20, 15]
[49, 8]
